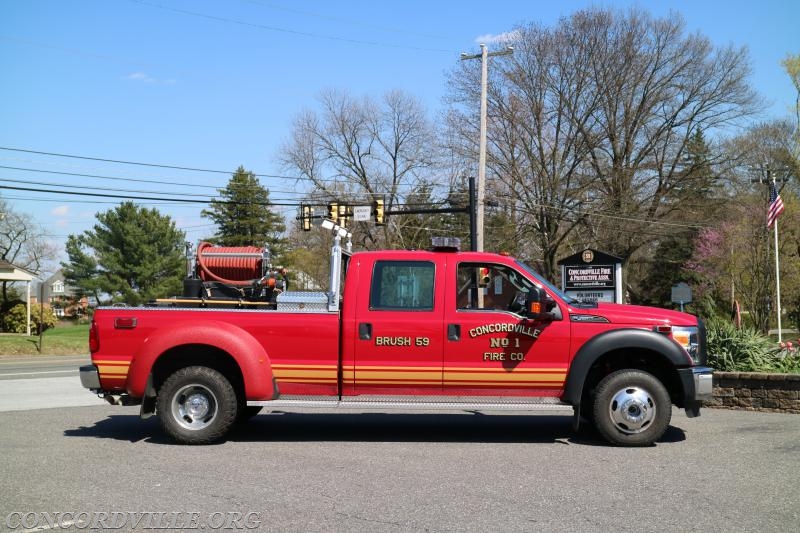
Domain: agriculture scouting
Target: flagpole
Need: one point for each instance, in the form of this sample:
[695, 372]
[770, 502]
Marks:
[774, 209]
[778, 280]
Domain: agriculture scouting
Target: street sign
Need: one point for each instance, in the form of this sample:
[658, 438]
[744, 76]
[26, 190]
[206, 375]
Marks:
[681, 293]
[362, 213]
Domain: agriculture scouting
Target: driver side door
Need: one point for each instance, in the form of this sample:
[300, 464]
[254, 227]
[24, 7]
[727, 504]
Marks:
[491, 349]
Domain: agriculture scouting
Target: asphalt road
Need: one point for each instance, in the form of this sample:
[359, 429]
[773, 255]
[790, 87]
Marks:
[26, 367]
[311, 471]
[43, 382]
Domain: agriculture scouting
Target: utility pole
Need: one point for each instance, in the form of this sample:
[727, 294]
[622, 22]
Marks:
[484, 56]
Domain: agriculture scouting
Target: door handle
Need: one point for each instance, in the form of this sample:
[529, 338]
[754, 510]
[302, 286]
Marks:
[454, 332]
[365, 331]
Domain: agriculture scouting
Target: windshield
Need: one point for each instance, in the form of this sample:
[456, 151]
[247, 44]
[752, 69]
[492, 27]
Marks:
[552, 288]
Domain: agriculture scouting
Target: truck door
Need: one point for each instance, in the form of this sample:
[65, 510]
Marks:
[490, 349]
[398, 345]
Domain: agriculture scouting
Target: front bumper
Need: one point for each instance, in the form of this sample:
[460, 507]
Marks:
[697, 386]
[90, 378]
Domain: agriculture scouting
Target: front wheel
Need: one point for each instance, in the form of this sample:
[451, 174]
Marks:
[631, 408]
[196, 405]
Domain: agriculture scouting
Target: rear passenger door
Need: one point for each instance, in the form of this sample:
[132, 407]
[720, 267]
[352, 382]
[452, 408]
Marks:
[398, 349]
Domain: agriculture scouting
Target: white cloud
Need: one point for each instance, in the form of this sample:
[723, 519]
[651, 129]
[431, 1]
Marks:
[501, 38]
[146, 78]
[60, 211]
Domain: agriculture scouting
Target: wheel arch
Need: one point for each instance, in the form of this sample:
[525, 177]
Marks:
[206, 355]
[219, 345]
[625, 348]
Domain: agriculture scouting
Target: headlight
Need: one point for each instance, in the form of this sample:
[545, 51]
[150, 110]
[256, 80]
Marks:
[688, 338]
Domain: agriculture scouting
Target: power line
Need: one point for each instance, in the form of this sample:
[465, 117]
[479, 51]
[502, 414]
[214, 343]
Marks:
[96, 188]
[92, 187]
[137, 180]
[292, 204]
[153, 165]
[347, 21]
[100, 202]
[129, 197]
[286, 30]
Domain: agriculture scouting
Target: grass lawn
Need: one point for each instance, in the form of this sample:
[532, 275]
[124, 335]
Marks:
[64, 339]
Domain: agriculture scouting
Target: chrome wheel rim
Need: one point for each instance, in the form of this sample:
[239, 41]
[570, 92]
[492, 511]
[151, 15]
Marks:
[632, 410]
[194, 407]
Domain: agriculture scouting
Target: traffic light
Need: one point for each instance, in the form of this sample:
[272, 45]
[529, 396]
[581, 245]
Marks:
[305, 217]
[333, 212]
[377, 211]
[483, 277]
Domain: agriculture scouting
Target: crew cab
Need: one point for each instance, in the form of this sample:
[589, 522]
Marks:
[435, 329]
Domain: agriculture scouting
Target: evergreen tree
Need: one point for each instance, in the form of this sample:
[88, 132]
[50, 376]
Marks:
[694, 200]
[243, 215]
[132, 254]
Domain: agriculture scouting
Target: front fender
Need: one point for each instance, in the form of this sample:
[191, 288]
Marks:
[618, 339]
[248, 353]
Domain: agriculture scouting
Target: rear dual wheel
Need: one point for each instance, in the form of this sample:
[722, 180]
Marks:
[631, 408]
[197, 405]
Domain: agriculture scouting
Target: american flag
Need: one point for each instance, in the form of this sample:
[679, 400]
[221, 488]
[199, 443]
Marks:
[775, 205]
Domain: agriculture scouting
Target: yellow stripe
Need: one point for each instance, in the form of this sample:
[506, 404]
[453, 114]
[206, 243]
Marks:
[382, 374]
[399, 368]
[501, 384]
[113, 370]
[361, 374]
[429, 383]
[455, 376]
[292, 367]
[316, 381]
[297, 373]
[502, 370]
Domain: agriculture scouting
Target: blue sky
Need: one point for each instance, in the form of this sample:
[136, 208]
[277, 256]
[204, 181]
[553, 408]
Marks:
[215, 85]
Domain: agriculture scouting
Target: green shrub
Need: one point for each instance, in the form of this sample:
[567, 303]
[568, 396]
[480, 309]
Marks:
[788, 363]
[15, 320]
[732, 349]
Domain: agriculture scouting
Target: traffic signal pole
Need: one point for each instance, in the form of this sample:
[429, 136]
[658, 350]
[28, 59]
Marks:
[337, 212]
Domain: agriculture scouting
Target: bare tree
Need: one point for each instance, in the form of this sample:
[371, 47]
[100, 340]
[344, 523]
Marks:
[657, 87]
[357, 150]
[22, 243]
[792, 66]
[591, 124]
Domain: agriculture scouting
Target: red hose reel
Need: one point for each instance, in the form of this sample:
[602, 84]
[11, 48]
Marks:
[232, 265]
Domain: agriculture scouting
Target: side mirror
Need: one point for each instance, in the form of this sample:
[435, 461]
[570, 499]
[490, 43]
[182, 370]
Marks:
[538, 305]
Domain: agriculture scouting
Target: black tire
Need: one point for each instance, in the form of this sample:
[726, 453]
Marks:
[197, 405]
[631, 408]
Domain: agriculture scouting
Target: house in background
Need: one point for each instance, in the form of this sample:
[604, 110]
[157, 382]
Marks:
[63, 299]
[12, 273]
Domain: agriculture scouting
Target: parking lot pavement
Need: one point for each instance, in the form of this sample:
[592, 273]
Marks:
[313, 471]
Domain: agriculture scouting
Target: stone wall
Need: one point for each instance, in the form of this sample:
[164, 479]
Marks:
[756, 392]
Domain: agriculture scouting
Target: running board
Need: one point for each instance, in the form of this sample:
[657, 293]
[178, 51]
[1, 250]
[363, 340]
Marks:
[420, 403]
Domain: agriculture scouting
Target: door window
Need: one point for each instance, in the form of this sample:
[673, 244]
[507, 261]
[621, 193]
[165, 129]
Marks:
[486, 286]
[402, 286]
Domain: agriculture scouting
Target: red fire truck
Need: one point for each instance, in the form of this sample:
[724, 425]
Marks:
[410, 329]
